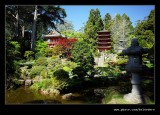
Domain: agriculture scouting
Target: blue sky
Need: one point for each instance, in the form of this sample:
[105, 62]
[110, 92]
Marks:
[78, 14]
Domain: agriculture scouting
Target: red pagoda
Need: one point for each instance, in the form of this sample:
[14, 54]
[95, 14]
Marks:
[53, 38]
[104, 41]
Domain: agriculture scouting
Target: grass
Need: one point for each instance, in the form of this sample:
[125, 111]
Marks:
[113, 96]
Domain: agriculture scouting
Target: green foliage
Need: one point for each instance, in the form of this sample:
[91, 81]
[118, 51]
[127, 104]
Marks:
[107, 22]
[83, 58]
[56, 50]
[121, 29]
[72, 34]
[94, 24]
[70, 64]
[79, 72]
[149, 65]
[144, 31]
[41, 48]
[44, 73]
[36, 70]
[24, 72]
[41, 61]
[121, 61]
[67, 69]
[110, 71]
[28, 55]
[61, 74]
[53, 57]
[52, 83]
[53, 62]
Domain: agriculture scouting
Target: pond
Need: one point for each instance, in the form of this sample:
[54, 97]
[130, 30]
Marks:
[24, 95]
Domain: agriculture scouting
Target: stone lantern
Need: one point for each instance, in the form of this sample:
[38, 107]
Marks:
[134, 66]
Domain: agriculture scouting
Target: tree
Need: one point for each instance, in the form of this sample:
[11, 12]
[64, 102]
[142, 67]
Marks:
[120, 32]
[66, 46]
[82, 55]
[67, 26]
[48, 16]
[72, 34]
[144, 31]
[34, 30]
[107, 22]
[93, 25]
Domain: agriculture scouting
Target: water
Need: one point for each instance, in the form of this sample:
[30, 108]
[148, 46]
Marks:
[24, 95]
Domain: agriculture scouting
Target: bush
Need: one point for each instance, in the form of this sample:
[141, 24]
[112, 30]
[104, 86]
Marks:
[53, 62]
[42, 61]
[70, 64]
[52, 83]
[61, 74]
[122, 61]
[29, 55]
[79, 72]
[36, 70]
[67, 69]
[44, 73]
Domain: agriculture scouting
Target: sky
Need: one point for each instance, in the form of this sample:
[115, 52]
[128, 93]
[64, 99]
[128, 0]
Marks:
[78, 14]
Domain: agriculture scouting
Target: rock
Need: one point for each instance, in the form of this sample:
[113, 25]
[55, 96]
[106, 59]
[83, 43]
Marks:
[45, 92]
[28, 82]
[67, 96]
[54, 91]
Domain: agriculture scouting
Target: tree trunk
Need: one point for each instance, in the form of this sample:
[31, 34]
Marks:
[23, 31]
[34, 30]
[17, 23]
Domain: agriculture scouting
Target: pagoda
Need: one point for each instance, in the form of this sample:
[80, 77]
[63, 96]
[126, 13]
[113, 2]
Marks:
[104, 41]
[53, 38]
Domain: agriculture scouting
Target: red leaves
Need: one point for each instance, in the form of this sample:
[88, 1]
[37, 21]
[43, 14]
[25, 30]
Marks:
[66, 43]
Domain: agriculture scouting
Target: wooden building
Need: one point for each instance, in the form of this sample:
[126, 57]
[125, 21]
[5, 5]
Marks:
[104, 41]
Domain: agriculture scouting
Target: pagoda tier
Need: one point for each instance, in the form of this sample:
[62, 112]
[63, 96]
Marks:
[104, 41]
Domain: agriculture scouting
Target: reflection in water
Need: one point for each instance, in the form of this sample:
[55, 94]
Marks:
[24, 95]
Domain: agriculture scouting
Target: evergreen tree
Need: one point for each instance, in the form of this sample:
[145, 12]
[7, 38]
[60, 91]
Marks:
[93, 25]
[144, 31]
[107, 22]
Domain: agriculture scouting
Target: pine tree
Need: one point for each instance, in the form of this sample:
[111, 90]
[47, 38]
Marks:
[93, 25]
[107, 22]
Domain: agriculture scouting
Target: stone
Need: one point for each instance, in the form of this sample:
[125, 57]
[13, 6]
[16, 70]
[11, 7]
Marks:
[28, 82]
[54, 92]
[67, 96]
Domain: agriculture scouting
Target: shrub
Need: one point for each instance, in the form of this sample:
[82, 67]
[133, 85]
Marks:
[67, 69]
[44, 73]
[54, 57]
[70, 64]
[42, 61]
[79, 72]
[122, 61]
[36, 70]
[61, 74]
[53, 62]
[29, 55]
[52, 83]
